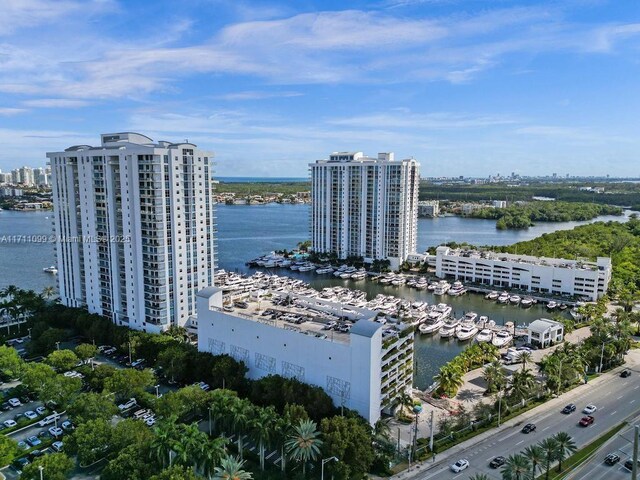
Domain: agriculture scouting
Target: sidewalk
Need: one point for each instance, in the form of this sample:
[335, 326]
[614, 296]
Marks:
[632, 359]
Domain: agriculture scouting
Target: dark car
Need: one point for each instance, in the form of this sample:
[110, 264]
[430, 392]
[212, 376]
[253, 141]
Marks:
[5, 406]
[611, 459]
[586, 421]
[629, 464]
[530, 346]
[20, 463]
[569, 408]
[497, 462]
[529, 427]
[35, 454]
[625, 373]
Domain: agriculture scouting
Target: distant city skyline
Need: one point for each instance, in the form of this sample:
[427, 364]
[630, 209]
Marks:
[466, 87]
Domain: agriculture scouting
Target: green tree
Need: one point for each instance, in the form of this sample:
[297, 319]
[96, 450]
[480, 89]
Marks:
[8, 450]
[550, 448]
[95, 377]
[449, 379]
[61, 390]
[35, 376]
[522, 384]
[231, 469]
[536, 457]
[174, 362]
[56, 466]
[350, 440]
[566, 447]
[85, 351]
[90, 441]
[10, 362]
[262, 429]
[91, 406]
[131, 463]
[62, 360]
[303, 444]
[129, 382]
[494, 375]
[515, 468]
[176, 472]
[164, 440]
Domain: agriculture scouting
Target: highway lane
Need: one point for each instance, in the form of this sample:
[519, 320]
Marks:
[596, 469]
[615, 397]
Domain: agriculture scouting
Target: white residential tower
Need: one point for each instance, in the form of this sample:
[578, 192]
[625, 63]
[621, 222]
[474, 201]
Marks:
[134, 222]
[364, 206]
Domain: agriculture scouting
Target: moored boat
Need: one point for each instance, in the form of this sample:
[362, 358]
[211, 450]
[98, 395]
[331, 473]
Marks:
[491, 295]
[484, 336]
[466, 332]
[502, 339]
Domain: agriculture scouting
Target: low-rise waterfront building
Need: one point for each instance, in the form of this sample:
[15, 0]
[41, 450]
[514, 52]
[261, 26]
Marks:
[429, 208]
[555, 276]
[544, 332]
[364, 369]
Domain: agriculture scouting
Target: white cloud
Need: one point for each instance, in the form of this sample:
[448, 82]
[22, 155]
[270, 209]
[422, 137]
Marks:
[256, 95]
[8, 111]
[56, 103]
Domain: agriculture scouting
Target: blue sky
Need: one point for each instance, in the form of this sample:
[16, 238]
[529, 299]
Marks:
[467, 87]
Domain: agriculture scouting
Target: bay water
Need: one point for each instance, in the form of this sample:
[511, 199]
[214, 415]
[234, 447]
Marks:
[247, 231]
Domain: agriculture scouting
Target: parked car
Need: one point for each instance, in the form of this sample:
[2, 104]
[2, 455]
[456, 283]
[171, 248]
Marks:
[49, 419]
[589, 409]
[57, 446]
[14, 402]
[569, 408]
[625, 373]
[35, 454]
[31, 415]
[34, 441]
[460, 465]
[23, 445]
[586, 421]
[55, 431]
[6, 406]
[137, 363]
[128, 404]
[497, 462]
[612, 459]
[67, 425]
[9, 423]
[529, 427]
[629, 464]
[20, 463]
[40, 410]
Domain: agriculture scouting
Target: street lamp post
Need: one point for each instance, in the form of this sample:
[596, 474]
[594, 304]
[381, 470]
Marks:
[29, 330]
[41, 468]
[326, 460]
[499, 405]
[601, 358]
[209, 421]
[157, 387]
[58, 345]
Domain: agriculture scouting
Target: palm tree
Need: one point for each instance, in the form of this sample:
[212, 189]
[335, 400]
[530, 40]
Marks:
[381, 428]
[48, 292]
[163, 441]
[525, 357]
[231, 469]
[550, 448]
[405, 400]
[262, 430]
[515, 468]
[566, 446]
[304, 443]
[535, 455]
[282, 427]
[449, 379]
[493, 374]
[241, 413]
[213, 453]
[522, 384]
[190, 445]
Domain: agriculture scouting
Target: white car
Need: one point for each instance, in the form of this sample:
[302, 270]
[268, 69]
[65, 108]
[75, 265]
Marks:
[151, 421]
[55, 431]
[14, 402]
[9, 423]
[31, 415]
[57, 446]
[40, 410]
[589, 409]
[460, 465]
[127, 405]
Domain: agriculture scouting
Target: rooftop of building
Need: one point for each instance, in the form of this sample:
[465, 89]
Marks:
[527, 259]
[120, 140]
[359, 157]
[307, 315]
[543, 324]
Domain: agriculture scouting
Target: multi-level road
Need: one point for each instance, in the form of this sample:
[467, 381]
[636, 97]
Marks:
[616, 398]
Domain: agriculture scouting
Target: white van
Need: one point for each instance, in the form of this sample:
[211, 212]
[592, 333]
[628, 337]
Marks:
[140, 413]
[49, 419]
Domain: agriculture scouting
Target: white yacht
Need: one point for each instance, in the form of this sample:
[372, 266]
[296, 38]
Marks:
[432, 286]
[322, 271]
[443, 309]
[515, 299]
[431, 326]
[551, 305]
[575, 314]
[502, 339]
[470, 317]
[457, 289]
[482, 321]
[466, 332]
[449, 328]
[359, 275]
[422, 283]
[399, 280]
[484, 336]
[442, 288]
[52, 269]
[526, 302]
[307, 267]
[491, 295]
[503, 297]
